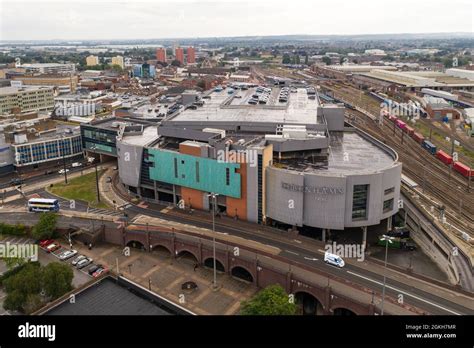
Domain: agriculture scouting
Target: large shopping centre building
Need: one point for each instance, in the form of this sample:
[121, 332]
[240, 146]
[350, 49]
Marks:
[294, 162]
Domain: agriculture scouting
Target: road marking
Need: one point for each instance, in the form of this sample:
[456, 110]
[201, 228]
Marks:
[310, 258]
[405, 293]
[292, 252]
[297, 241]
[322, 251]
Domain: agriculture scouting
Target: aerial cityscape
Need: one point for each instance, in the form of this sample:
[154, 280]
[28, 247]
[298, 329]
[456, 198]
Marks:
[203, 158]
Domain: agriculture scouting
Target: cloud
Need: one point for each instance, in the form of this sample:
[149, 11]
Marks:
[145, 19]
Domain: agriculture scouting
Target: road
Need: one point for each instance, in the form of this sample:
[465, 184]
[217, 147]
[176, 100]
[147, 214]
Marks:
[431, 298]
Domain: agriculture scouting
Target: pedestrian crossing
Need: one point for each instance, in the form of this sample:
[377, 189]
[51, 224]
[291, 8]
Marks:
[103, 212]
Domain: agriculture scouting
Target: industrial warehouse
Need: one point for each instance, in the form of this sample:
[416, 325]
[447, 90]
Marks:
[288, 161]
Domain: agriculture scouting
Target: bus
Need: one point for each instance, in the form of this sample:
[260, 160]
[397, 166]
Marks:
[43, 204]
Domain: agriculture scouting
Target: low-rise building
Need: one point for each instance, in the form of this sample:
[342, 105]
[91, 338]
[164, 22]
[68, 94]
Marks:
[25, 99]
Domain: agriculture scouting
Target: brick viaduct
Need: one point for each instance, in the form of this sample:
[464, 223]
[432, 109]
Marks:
[260, 273]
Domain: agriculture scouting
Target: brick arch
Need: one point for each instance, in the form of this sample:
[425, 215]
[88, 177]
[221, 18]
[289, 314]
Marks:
[136, 236]
[236, 265]
[217, 259]
[298, 285]
[340, 302]
[180, 249]
[157, 244]
[220, 256]
[318, 297]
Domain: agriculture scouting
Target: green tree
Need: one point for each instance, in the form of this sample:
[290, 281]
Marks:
[57, 279]
[273, 300]
[286, 59]
[20, 285]
[176, 63]
[306, 59]
[326, 60]
[45, 227]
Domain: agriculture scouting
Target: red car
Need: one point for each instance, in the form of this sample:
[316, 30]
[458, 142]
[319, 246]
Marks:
[99, 272]
[45, 242]
[52, 247]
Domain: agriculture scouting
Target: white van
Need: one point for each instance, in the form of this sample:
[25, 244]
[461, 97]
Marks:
[334, 260]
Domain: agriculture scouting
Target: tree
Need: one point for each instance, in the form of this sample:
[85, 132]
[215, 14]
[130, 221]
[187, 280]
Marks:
[201, 84]
[45, 227]
[57, 279]
[176, 63]
[286, 59]
[273, 300]
[326, 60]
[306, 59]
[18, 286]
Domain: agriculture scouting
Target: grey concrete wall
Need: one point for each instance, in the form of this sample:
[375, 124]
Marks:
[129, 166]
[325, 210]
[284, 205]
[333, 209]
[252, 193]
[334, 117]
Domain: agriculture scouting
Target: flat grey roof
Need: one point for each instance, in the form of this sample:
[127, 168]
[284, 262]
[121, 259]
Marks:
[222, 107]
[108, 298]
[149, 134]
[349, 153]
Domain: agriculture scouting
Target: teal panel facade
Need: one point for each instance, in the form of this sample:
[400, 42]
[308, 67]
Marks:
[204, 174]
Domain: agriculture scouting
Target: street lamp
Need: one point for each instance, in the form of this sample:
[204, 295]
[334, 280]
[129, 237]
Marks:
[94, 148]
[63, 150]
[387, 240]
[214, 204]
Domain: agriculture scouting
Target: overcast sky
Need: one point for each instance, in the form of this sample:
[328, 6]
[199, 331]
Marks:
[145, 19]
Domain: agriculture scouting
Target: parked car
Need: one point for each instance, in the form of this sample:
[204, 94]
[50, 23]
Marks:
[77, 259]
[67, 254]
[108, 179]
[53, 247]
[16, 181]
[93, 268]
[99, 272]
[76, 164]
[83, 263]
[45, 242]
[62, 171]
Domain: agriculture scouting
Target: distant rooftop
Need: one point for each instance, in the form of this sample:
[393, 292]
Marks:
[14, 90]
[222, 107]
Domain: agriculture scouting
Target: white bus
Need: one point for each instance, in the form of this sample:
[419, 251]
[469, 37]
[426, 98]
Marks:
[43, 204]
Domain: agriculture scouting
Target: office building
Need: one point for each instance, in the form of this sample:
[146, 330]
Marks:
[144, 70]
[49, 68]
[25, 99]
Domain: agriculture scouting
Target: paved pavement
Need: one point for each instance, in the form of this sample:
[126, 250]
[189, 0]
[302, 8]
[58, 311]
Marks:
[162, 274]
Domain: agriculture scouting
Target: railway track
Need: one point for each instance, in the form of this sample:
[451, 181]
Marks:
[430, 174]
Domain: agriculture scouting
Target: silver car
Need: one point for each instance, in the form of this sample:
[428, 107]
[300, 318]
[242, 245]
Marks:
[77, 259]
[83, 263]
[67, 254]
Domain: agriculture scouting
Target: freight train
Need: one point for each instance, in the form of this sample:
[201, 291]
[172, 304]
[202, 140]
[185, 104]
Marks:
[461, 168]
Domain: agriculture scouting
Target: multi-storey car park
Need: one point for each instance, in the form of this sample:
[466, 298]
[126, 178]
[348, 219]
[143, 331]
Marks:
[292, 163]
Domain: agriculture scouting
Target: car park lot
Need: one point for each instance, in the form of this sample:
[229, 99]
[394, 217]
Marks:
[69, 260]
